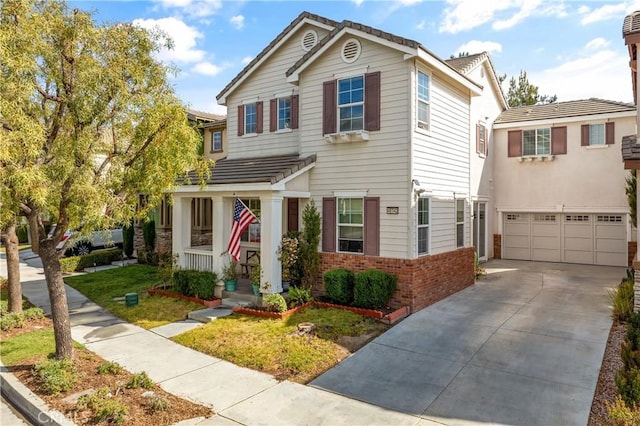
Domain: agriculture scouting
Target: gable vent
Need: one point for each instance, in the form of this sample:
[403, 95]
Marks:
[351, 50]
[309, 39]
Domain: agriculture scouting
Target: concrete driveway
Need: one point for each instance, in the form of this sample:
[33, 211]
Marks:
[523, 346]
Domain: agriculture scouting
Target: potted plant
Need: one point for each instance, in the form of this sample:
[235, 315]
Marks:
[230, 275]
[255, 275]
[288, 257]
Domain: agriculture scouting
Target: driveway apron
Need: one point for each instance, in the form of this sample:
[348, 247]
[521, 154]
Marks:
[522, 346]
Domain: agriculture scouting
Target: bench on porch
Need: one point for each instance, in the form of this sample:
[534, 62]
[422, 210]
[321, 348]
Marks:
[252, 258]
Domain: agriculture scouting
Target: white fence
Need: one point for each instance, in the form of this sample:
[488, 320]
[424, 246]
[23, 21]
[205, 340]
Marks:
[198, 259]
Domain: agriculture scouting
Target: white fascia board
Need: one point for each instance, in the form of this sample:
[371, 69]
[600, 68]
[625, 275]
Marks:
[223, 99]
[565, 120]
[436, 64]
[229, 187]
[565, 209]
[293, 78]
[281, 185]
[294, 194]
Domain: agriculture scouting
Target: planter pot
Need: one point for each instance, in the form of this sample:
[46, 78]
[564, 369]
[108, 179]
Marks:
[256, 289]
[230, 285]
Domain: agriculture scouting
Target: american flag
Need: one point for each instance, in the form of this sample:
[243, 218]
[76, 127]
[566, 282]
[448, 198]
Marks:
[242, 218]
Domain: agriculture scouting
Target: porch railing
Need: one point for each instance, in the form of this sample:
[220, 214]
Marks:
[198, 259]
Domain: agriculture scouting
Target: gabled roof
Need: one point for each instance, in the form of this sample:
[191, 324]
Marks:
[465, 64]
[630, 149]
[591, 106]
[195, 115]
[266, 52]
[631, 24]
[253, 170]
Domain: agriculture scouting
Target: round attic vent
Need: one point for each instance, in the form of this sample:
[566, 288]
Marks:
[351, 50]
[309, 39]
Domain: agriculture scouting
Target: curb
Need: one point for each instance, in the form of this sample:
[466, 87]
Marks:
[28, 403]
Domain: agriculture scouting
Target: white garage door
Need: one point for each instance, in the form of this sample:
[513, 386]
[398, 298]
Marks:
[598, 239]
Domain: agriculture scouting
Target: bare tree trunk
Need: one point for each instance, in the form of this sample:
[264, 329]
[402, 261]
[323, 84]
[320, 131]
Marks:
[35, 235]
[58, 298]
[10, 240]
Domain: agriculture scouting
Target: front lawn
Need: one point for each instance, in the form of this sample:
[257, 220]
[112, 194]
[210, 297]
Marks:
[270, 345]
[152, 311]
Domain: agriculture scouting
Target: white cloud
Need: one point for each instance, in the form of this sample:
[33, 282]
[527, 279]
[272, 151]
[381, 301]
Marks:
[183, 36]
[604, 74]
[603, 13]
[195, 8]
[421, 25]
[246, 60]
[207, 68]
[597, 43]
[237, 21]
[358, 2]
[477, 46]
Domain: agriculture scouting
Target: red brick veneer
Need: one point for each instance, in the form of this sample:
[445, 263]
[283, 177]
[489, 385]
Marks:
[421, 282]
[632, 246]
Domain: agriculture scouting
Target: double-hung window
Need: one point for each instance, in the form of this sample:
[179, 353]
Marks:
[351, 104]
[201, 213]
[351, 225]
[252, 233]
[250, 118]
[536, 142]
[460, 223]
[596, 134]
[423, 100]
[284, 113]
[216, 141]
[424, 224]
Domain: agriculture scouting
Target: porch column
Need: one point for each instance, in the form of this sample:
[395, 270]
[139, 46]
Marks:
[218, 241]
[181, 228]
[271, 230]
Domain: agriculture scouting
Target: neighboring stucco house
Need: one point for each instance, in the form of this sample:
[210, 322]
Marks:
[390, 141]
[559, 189]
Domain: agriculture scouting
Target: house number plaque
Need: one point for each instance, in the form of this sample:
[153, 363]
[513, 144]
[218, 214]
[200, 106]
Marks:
[393, 210]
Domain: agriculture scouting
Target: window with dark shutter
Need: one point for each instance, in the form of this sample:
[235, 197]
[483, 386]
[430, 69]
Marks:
[273, 115]
[372, 226]
[329, 108]
[259, 117]
[559, 140]
[240, 120]
[514, 148]
[481, 139]
[372, 101]
[295, 102]
[610, 133]
[329, 224]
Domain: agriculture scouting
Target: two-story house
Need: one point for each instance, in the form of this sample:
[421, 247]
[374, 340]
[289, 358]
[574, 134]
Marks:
[389, 141]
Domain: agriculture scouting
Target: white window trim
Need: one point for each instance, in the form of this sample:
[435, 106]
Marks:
[537, 155]
[349, 224]
[250, 134]
[604, 134]
[420, 129]
[351, 194]
[213, 133]
[428, 226]
[357, 131]
[278, 128]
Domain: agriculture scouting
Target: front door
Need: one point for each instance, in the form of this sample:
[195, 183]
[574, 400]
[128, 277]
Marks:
[480, 229]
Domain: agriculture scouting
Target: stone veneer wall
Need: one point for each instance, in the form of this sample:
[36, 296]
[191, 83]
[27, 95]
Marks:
[163, 239]
[421, 282]
[632, 246]
[497, 246]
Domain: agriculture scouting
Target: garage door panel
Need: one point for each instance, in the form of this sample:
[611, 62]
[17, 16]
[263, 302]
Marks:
[609, 246]
[576, 256]
[611, 259]
[546, 230]
[519, 253]
[580, 244]
[611, 231]
[517, 229]
[543, 255]
[577, 230]
[550, 243]
[517, 241]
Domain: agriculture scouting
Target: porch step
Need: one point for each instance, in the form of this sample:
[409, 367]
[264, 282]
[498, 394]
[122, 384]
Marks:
[209, 314]
[239, 298]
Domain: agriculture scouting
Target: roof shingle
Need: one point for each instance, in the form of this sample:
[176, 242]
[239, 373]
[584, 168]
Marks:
[591, 106]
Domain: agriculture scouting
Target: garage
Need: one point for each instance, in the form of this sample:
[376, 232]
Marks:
[598, 239]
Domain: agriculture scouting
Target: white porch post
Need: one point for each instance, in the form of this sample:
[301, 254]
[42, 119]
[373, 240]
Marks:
[181, 232]
[218, 241]
[271, 230]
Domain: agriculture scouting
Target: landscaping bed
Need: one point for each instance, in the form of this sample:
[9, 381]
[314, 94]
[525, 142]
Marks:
[166, 293]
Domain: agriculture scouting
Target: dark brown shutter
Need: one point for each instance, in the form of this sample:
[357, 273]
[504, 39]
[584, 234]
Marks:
[559, 140]
[478, 138]
[240, 120]
[329, 224]
[259, 117]
[486, 141]
[273, 115]
[295, 102]
[514, 148]
[329, 107]
[292, 214]
[610, 133]
[584, 135]
[372, 101]
[372, 226]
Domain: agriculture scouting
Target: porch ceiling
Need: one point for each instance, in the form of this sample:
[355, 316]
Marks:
[253, 170]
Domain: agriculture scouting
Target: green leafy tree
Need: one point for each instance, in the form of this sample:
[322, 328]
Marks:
[309, 241]
[630, 190]
[89, 120]
[522, 93]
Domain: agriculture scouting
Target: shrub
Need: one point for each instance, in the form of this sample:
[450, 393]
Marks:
[149, 234]
[299, 296]
[97, 258]
[110, 367]
[156, 403]
[128, 232]
[193, 283]
[55, 376]
[167, 264]
[622, 301]
[308, 254]
[105, 408]
[339, 285]
[10, 320]
[621, 415]
[140, 380]
[274, 302]
[628, 383]
[374, 288]
[22, 233]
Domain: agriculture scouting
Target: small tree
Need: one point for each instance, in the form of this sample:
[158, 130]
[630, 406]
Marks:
[128, 232]
[308, 251]
[522, 93]
[630, 190]
[149, 235]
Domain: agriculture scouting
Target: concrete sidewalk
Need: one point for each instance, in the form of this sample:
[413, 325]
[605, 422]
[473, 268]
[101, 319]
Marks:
[238, 395]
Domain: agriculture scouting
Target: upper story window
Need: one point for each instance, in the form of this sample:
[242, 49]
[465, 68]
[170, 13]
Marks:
[351, 104]
[536, 142]
[424, 224]
[350, 225]
[597, 134]
[216, 141]
[250, 118]
[284, 113]
[423, 100]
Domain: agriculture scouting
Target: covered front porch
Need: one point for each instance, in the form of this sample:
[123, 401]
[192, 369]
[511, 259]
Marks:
[275, 189]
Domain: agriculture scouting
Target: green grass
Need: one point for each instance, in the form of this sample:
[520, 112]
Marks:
[14, 350]
[151, 311]
[4, 300]
[265, 344]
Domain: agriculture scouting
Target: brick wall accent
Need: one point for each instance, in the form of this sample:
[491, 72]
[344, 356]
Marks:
[421, 282]
[632, 246]
[163, 239]
[201, 238]
[138, 240]
[497, 246]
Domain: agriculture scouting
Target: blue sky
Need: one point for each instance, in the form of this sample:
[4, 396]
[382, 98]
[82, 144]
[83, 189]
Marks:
[573, 49]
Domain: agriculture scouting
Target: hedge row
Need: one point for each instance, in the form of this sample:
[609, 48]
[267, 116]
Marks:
[193, 283]
[371, 289]
[97, 258]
